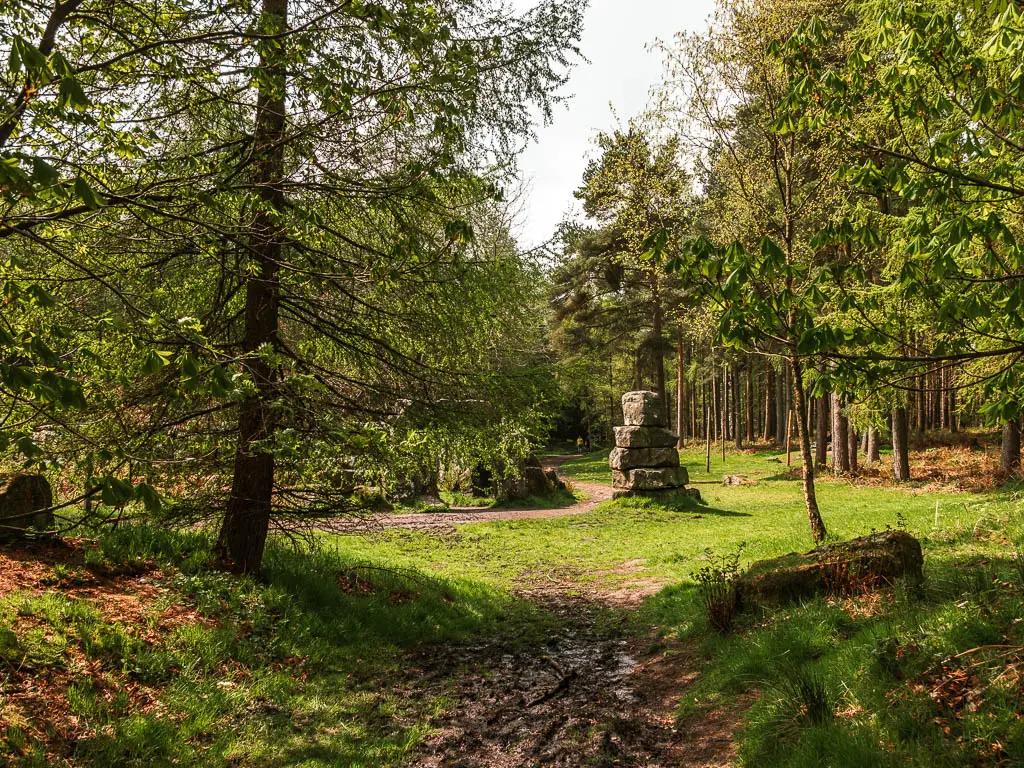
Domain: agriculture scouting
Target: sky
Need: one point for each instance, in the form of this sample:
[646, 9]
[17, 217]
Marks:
[605, 92]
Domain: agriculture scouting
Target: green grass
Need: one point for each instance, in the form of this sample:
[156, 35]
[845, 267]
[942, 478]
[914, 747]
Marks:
[817, 651]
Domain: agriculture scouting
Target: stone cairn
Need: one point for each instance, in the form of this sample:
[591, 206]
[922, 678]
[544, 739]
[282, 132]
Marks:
[645, 461]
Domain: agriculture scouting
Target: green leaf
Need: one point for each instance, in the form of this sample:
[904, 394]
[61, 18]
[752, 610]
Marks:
[44, 173]
[72, 95]
[147, 494]
[87, 194]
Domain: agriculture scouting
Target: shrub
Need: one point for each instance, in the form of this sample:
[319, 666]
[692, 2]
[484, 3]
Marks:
[716, 583]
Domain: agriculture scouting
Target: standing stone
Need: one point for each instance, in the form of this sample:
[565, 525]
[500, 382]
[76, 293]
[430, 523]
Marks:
[642, 409]
[645, 460]
[22, 496]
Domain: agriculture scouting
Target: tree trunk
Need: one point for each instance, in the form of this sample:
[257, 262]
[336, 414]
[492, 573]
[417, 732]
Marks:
[872, 451]
[821, 432]
[781, 407]
[900, 447]
[953, 419]
[243, 534]
[714, 403]
[612, 410]
[810, 497]
[769, 403]
[737, 430]
[750, 403]
[840, 437]
[922, 409]
[680, 384]
[852, 451]
[659, 358]
[1009, 455]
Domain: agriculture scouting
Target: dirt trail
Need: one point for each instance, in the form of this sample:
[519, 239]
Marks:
[578, 688]
[596, 493]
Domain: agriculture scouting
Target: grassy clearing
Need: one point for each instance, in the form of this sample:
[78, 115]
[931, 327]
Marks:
[854, 681]
[929, 675]
[668, 544]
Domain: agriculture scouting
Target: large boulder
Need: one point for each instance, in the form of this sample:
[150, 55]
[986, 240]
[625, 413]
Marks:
[642, 409]
[25, 499]
[632, 458]
[644, 437]
[530, 480]
[842, 567]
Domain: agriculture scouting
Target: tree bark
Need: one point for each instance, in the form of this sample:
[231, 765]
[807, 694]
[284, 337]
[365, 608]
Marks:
[872, 451]
[821, 432]
[680, 384]
[781, 406]
[243, 534]
[900, 445]
[1009, 454]
[840, 437]
[852, 451]
[714, 403]
[659, 358]
[750, 403]
[769, 403]
[737, 428]
[810, 497]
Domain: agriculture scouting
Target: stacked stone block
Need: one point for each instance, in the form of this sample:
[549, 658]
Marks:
[645, 460]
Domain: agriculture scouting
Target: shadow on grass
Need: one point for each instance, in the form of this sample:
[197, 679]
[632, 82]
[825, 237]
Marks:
[681, 502]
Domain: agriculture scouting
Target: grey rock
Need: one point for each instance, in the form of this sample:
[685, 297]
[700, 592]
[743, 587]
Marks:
[644, 437]
[650, 479]
[633, 458]
[642, 409]
[22, 496]
[531, 480]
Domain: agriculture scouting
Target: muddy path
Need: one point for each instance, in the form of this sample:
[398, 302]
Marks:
[596, 493]
[579, 685]
[587, 692]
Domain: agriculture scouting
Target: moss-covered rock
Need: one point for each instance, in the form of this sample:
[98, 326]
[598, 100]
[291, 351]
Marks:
[843, 567]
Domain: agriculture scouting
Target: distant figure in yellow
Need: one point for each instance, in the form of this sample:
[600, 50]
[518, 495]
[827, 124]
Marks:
[579, 445]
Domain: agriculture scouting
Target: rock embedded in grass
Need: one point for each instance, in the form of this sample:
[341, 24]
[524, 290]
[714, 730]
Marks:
[843, 567]
[650, 478]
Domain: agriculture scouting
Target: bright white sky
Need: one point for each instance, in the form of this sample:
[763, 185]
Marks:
[619, 77]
